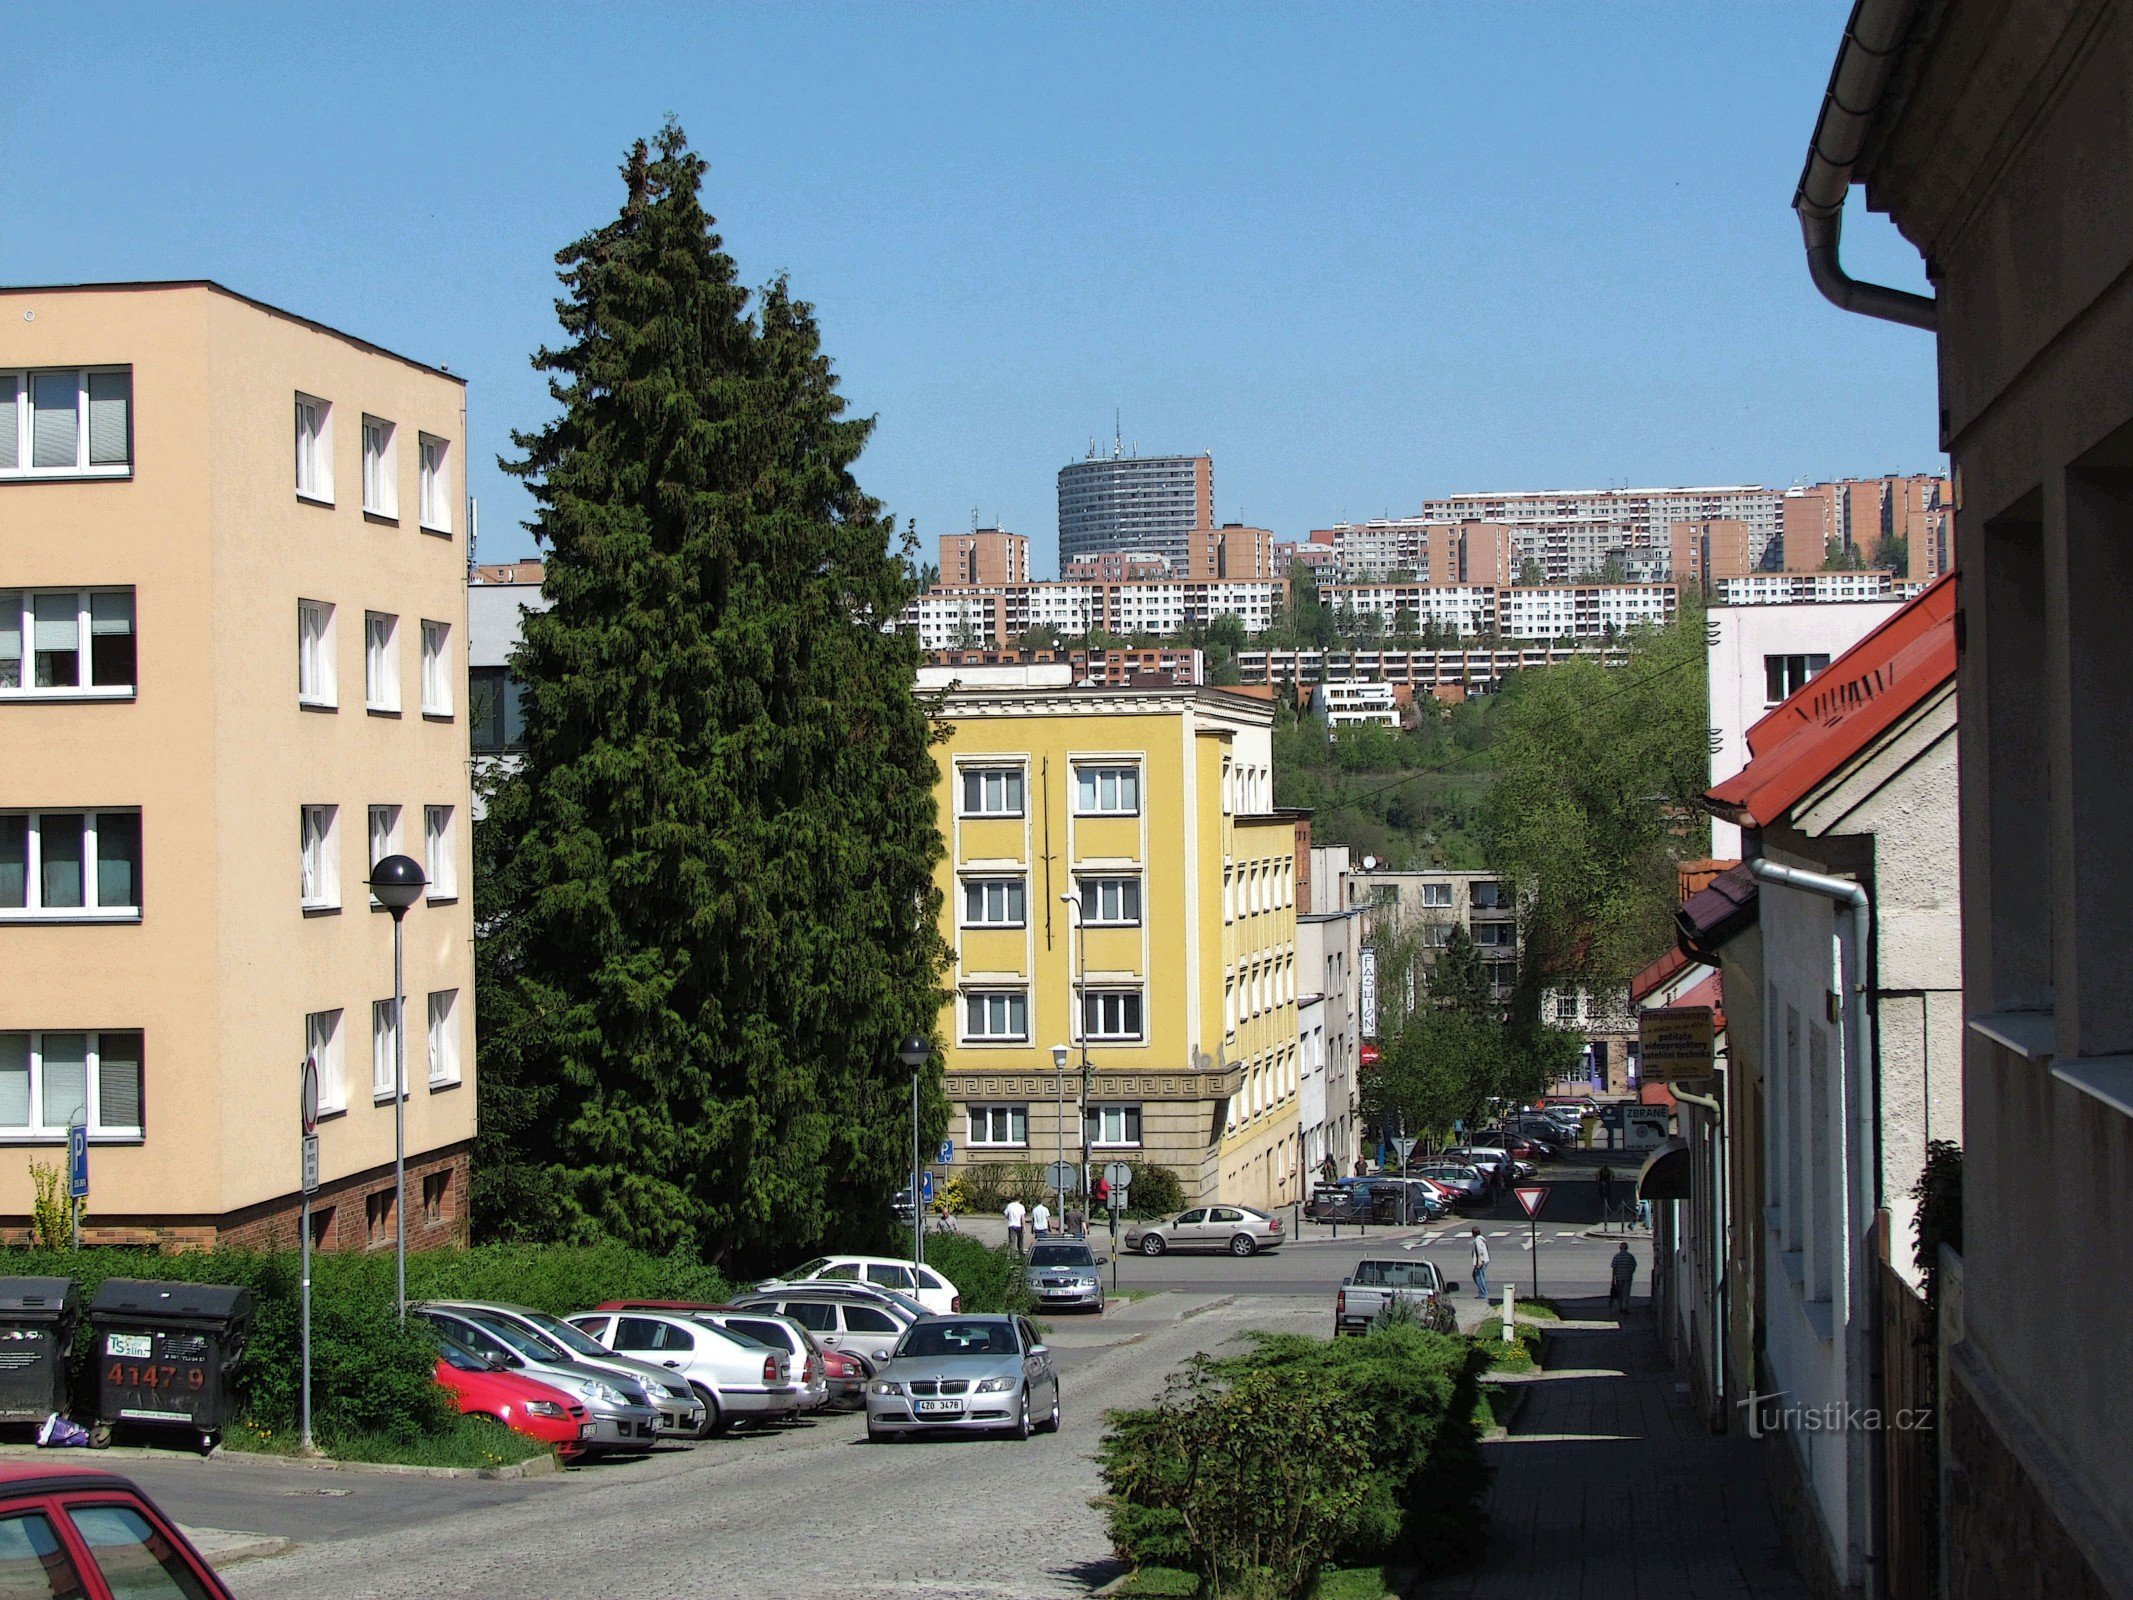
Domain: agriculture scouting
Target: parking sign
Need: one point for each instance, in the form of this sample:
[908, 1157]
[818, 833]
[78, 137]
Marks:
[78, 1162]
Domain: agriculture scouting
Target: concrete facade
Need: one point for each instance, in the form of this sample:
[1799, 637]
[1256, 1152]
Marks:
[1328, 953]
[1122, 502]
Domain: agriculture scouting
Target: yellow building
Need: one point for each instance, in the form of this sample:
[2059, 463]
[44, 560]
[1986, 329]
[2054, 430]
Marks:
[232, 632]
[1119, 845]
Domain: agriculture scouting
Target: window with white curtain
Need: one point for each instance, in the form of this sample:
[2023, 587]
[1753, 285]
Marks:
[70, 866]
[381, 661]
[444, 1036]
[51, 1080]
[440, 854]
[436, 669]
[1107, 791]
[992, 791]
[994, 902]
[384, 838]
[995, 1015]
[1111, 902]
[381, 474]
[66, 422]
[321, 872]
[436, 508]
[63, 643]
[384, 1033]
[315, 677]
[1111, 1014]
[314, 448]
[322, 1043]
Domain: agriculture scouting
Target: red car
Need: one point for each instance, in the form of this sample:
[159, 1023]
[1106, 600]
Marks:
[79, 1532]
[521, 1404]
[846, 1375]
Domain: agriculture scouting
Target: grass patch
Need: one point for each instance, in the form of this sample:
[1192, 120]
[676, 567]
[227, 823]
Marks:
[1540, 1309]
[1521, 1355]
[1497, 1404]
[464, 1442]
[1342, 1583]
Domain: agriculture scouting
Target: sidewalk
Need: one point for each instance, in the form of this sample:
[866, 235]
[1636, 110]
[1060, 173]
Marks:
[1610, 1486]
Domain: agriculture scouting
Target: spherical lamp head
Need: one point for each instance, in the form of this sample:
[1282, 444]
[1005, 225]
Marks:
[915, 1052]
[397, 882]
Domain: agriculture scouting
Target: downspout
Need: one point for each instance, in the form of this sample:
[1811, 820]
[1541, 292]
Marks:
[1856, 84]
[1719, 1182]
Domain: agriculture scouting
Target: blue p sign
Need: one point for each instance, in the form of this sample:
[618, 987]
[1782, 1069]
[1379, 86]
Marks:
[78, 1162]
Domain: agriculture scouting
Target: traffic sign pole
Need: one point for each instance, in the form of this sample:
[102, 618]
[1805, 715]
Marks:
[1533, 1198]
[77, 1174]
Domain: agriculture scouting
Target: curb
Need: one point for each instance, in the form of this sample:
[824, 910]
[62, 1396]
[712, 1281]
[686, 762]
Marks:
[1618, 1233]
[533, 1467]
[222, 1548]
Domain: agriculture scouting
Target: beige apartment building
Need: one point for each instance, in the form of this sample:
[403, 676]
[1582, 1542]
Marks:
[984, 556]
[232, 624]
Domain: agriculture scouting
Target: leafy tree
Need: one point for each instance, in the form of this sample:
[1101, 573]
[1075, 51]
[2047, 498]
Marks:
[1042, 637]
[1892, 554]
[1837, 556]
[721, 916]
[1531, 573]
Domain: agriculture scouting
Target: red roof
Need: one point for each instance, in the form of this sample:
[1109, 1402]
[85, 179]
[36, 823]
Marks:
[1842, 710]
[1656, 974]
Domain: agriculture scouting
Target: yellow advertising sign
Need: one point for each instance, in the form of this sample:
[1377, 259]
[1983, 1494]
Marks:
[1675, 1043]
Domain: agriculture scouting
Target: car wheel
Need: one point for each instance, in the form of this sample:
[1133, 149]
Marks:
[1151, 1244]
[1099, 1305]
[714, 1422]
[1051, 1424]
[1242, 1245]
[1022, 1428]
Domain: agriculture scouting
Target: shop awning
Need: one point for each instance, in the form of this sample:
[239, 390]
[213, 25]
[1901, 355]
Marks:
[1666, 1173]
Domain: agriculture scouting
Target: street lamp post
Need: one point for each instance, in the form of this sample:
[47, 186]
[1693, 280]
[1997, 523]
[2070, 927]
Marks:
[1081, 997]
[1059, 1055]
[397, 883]
[915, 1052]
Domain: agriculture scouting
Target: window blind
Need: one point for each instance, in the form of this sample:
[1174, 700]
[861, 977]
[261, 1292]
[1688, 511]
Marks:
[14, 1080]
[56, 621]
[66, 1079]
[118, 1080]
[10, 448]
[111, 611]
[110, 405]
[55, 432]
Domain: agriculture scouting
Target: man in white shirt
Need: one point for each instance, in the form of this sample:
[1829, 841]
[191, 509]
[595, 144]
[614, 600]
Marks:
[1040, 1220]
[1481, 1265]
[1014, 1226]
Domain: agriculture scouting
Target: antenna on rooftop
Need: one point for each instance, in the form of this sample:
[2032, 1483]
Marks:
[1118, 429]
[973, 519]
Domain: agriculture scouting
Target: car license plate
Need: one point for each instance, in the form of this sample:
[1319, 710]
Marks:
[934, 1408]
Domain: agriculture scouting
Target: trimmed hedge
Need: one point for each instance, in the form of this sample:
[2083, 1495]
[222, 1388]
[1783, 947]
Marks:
[1400, 1401]
[369, 1374]
[988, 1277]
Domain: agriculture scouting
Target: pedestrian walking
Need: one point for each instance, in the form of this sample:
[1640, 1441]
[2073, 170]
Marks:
[1605, 1180]
[1040, 1220]
[1014, 1214]
[1329, 1169]
[1481, 1265]
[1077, 1222]
[1102, 1188]
[1622, 1272]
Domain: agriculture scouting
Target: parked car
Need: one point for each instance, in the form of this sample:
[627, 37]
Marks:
[868, 1329]
[1374, 1285]
[1502, 1167]
[779, 1333]
[901, 1306]
[1240, 1230]
[680, 1412]
[1471, 1186]
[1063, 1274]
[1339, 1201]
[524, 1405]
[80, 1532]
[915, 1279]
[966, 1373]
[737, 1379]
[1399, 1201]
[1523, 1147]
[621, 1413]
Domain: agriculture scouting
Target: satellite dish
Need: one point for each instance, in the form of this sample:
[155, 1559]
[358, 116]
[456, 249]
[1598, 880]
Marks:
[1370, 863]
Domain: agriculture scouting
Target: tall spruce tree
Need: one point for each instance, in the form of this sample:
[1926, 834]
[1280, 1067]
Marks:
[720, 916]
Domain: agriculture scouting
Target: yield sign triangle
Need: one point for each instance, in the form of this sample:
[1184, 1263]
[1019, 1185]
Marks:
[1532, 1198]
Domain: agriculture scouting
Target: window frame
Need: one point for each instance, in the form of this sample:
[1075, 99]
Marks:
[23, 427]
[328, 872]
[384, 1028]
[433, 510]
[986, 994]
[982, 771]
[1121, 994]
[1014, 1113]
[1096, 771]
[325, 1043]
[485, 716]
[437, 669]
[440, 866]
[978, 887]
[38, 1130]
[381, 468]
[324, 693]
[1131, 1123]
[1092, 886]
[394, 815]
[444, 1064]
[316, 485]
[24, 613]
[387, 675]
[91, 909]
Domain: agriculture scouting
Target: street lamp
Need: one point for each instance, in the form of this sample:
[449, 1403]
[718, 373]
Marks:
[915, 1052]
[1081, 939]
[397, 883]
[1059, 1055]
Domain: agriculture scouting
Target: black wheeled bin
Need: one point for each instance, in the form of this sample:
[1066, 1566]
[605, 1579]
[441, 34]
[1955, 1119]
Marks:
[167, 1353]
[37, 1318]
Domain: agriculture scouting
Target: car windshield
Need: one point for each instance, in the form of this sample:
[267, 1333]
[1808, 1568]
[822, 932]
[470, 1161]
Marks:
[524, 1340]
[1396, 1274]
[806, 1269]
[572, 1339]
[946, 1338]
[1061, 1255]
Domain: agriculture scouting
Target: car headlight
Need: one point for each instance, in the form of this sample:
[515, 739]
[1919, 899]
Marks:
[546, 1408]
[993, 1385]
[681, 1392]
[605, 1393]
[883, 1386]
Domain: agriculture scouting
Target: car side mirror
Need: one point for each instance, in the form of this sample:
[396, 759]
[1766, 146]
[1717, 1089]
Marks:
[1040, 1349]
[1451, 1285]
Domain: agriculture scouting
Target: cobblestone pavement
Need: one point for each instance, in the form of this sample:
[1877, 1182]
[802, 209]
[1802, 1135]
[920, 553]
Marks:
[813, 1510]
[1610, 1486]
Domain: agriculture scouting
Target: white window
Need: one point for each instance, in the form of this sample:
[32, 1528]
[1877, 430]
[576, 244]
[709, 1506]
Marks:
[381, 468]
[381, 661]
[436, 508]
[995, 1014]
[994, 902]
[66, 422]
[322, 1044]
[1111, 1014]
[1114, 1125]
[999, 1125]
[1436, 894]
[1111, 902]
[66, 643]
[315, 678]
[436, 669]
[1107, 791]
[440, 856]
[70, 866]
[314, 449]
[992, 791]
[444, 1036]
[384, 838]
[384, 1037]
[321, 858]
[50, 1081]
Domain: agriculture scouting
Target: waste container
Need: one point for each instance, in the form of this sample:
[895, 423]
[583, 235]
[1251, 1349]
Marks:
[37, 1319]
[166, 1353]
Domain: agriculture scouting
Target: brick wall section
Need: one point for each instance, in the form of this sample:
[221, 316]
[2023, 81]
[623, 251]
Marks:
[2004, 1543]
[342, 1215]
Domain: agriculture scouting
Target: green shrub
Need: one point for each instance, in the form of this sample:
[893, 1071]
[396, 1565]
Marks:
[1403, 1398]
[1155, 1191]
[988, 1277]
[560, 1279]
[1522, 1354]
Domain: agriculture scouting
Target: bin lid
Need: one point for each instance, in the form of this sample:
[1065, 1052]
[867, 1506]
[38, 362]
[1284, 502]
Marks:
[124, 1299]
[36, 1299]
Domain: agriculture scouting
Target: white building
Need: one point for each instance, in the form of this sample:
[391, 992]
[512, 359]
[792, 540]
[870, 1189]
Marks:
[1328, 954]
[1647, 511]
[498, 598]
[1808, 588]
[1351, 703]
[1593, 611]
[1758, 654]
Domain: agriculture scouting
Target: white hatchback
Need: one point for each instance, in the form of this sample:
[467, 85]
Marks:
[739, 1379]
[920, 1282]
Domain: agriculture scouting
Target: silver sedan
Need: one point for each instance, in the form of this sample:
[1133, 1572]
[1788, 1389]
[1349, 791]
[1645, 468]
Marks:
[966, 1374]
[1241, 1230]
[1063, 1273]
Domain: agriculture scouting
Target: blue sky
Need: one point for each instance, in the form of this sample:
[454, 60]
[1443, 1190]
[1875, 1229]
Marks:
[1362, 254]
